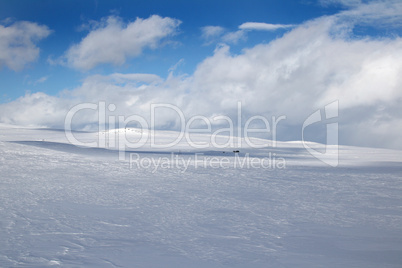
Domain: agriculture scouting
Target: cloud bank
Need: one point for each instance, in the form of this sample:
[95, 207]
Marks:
[18, 43]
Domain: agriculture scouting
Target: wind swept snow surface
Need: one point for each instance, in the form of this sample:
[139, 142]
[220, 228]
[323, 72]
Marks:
[68, 206]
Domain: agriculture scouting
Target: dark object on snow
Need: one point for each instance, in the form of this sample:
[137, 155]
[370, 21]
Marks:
[237, 151]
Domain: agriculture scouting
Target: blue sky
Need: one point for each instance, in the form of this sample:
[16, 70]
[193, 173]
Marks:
[65, 20]
[277, 58]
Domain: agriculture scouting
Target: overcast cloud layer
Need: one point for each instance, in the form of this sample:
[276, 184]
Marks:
[312, 65]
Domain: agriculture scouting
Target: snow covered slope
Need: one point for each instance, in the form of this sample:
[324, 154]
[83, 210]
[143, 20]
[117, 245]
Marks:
[62, 205]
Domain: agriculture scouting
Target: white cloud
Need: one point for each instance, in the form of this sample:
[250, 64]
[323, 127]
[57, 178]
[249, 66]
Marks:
[41, 80]
[37, 109]
[375, 13]
[212, 34]
[347, 3]
[294, 75]
[387, 14]
[114, 42]
[260, 26]
[212, 31]
[234, 37]
[145, 78]
[175, 66]
[18, 43]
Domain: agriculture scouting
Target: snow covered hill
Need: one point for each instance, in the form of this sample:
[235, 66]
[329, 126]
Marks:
[69, 206]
